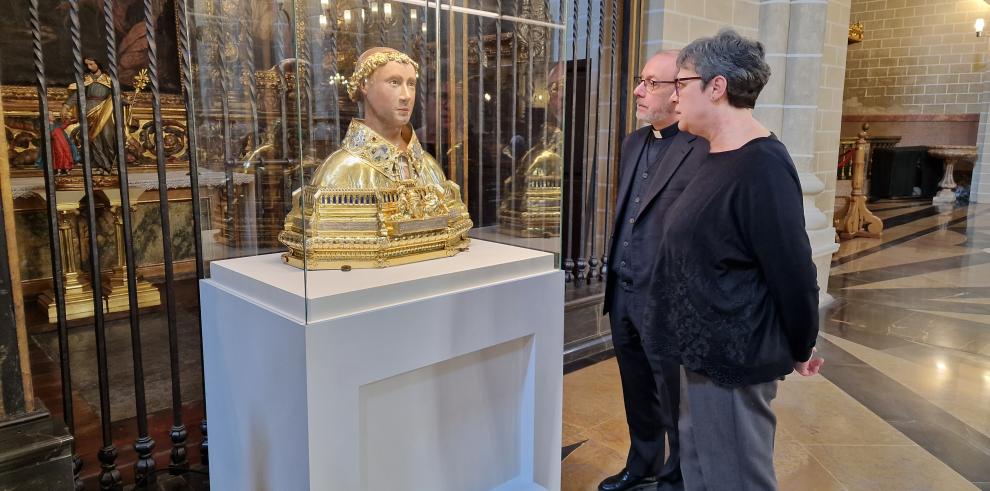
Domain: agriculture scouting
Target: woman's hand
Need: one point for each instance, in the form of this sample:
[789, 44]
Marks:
[810, 367]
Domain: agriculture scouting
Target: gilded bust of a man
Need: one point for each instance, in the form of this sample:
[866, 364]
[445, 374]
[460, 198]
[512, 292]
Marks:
[380, 199]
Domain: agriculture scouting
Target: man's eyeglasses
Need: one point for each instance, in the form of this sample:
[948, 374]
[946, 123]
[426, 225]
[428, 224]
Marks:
[651, 85]
[680, 83]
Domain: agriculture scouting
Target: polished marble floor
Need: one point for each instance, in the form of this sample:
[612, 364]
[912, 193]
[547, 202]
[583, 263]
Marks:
[903, 402]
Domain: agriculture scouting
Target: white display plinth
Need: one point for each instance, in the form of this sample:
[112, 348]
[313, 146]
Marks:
[438, 375]
[495, 233]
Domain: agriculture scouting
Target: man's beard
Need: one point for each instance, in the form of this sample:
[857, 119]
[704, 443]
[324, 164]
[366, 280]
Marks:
[649, 116]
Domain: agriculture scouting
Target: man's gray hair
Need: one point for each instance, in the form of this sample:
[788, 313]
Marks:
[741, 61]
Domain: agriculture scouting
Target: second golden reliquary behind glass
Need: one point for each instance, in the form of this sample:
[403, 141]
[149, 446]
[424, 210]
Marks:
[531, 200]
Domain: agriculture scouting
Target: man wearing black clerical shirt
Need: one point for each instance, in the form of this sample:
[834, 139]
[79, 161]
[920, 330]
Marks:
[656, 163]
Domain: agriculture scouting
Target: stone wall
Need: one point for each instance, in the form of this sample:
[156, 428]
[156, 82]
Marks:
[675, 23]
[918, 57]
[830, 97]
[916, 129]
[922, 57]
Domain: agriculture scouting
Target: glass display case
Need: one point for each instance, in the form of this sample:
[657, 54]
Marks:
[369, 134]
[385, 249]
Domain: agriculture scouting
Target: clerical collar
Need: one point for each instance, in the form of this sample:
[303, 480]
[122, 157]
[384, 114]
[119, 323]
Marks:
[666, 132]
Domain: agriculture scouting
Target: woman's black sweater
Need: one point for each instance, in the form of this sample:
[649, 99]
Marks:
[736, 294]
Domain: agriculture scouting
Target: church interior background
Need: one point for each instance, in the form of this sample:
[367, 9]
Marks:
[203, 116]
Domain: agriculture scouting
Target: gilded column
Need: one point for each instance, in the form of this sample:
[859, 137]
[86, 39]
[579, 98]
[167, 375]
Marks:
[78, 291]
[115, 284]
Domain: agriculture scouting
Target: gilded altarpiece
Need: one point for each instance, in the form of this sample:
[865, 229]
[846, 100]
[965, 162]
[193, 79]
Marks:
[22, 130]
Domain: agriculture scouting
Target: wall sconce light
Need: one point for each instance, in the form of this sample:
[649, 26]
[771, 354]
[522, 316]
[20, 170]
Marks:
[856, 33]
[979, 27]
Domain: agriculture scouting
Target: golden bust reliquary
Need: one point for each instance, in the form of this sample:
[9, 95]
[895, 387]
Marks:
[380, 200]
[371, 204]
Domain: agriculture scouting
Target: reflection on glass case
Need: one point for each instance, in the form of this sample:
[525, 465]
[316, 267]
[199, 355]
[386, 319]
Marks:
[530, 206]
[369, 133]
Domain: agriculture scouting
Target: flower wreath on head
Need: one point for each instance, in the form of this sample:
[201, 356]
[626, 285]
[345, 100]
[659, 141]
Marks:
[372, 63]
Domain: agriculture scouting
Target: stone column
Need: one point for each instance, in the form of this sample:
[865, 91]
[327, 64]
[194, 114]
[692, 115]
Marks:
[774, 26]
[980, 190]
[794, 36]
[78, 287]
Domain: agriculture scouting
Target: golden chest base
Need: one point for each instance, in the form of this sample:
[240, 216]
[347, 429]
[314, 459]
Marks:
[536, 213]
[530, 224]
[373, 205]
[368, 259]
[373, 228]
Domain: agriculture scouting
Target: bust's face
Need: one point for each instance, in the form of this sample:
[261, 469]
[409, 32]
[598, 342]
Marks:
[390, 93]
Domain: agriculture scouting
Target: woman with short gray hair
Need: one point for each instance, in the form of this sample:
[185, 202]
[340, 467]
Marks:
[739, 302]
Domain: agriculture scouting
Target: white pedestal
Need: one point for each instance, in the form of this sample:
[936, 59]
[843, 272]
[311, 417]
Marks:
[493, 233]
[439, 375]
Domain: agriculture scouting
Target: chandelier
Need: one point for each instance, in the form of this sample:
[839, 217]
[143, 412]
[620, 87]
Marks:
[352, 14]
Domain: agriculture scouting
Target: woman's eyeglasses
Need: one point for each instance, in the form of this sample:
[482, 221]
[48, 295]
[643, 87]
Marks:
[680, 83]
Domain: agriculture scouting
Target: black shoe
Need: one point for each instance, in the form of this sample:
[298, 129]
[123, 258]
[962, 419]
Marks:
[670, 483]
[671, 478]
[624, 481]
